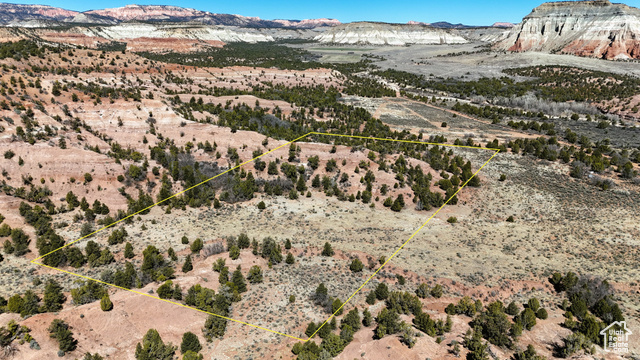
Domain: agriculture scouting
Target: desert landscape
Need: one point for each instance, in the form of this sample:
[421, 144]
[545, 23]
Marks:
[182, 184]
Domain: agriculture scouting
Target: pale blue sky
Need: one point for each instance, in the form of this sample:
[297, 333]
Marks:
[470, 12]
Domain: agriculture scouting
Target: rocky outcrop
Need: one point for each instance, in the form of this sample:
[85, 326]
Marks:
[388, 34]
[484, 34]
[125, 31]
[584, 28]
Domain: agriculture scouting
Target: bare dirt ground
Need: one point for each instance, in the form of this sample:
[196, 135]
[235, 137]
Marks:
[560, 224]
[423, 59]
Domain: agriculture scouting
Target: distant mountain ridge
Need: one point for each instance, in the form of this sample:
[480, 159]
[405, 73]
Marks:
[448, 25]
[43, 15]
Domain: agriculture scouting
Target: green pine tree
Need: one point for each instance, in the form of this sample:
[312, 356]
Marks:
[106, 304]
[327, 250]
[238, 280]
[187, 266]
[128, 251]
[53, 296]
[190, 342]
[290, 259]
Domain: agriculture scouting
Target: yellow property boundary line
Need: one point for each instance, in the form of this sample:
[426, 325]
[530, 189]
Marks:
[496, 151]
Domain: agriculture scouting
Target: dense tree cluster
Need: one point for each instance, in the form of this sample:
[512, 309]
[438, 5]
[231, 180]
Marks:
[590, 308]
[24, 49]
[153, 348]
[155, 266]
[553, 82]
[262, 54]
[29, 304]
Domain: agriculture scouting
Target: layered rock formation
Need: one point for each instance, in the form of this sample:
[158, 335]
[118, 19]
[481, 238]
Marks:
[122, 32]
[388, 34]
[585, 28]
[41, 16]
[308, 23]
[484, 34]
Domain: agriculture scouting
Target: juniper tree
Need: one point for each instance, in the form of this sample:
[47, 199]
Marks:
[533, 304]
[90, 356]
[311, 328]
[190, 342]
[177, 292]
[327, 250]
[336, 307]
[15, 304]
[243, 241]
[290, 259]
[106, 304]
[333, 345]
[382, 291]
[153, 348]
[356, 265]
[165, 291]
[423, 291]
[324, 330]
[196, 246]
[190, 355]
[31, 304]
[19, 242]
[214, 327]
[367, 319]
[388, 323]
[53, 297]
[528, 318]
[254, 247]
[75, 257]
[371, 298]
[172, 254]
[398, 204]
[271, 250]
[234, 252]
[128, 251]
[188, 265]
[321, 294]
[255, 275]
[219, 264]
[223, 278]
[238, 280]
[512, 309]
[59, 330]
[437, 291]
[352, 319]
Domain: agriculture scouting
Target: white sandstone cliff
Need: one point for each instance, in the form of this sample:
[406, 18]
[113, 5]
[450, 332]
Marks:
[388, 34]
[585, 28]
